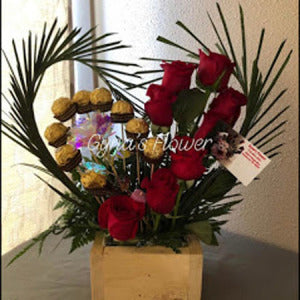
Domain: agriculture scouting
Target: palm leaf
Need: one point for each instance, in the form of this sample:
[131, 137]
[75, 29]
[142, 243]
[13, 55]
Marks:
[34, 59]
[169, 42]
[274, 148]
[35, 167]
[161, 59]
[269, 140]
[244, 58]
[184, 27]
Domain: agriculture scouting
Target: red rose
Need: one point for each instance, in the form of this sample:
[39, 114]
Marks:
[103, 214]
[226, 107]
[159, 107]
[211, 68]
[186, 161]
[121, 215]
[161, 190]
[177, 76]
[209, 122]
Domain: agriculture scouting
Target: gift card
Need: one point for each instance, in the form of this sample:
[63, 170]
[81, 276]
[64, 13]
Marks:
[239, 156]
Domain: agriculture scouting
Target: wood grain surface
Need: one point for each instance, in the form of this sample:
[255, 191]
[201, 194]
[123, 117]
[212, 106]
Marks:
[146, 273]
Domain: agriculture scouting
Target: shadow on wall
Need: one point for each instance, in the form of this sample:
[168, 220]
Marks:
[239, 269]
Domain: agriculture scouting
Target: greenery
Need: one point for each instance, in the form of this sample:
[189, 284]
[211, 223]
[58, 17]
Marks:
[185, 111]
[206, 200]
[202, 201]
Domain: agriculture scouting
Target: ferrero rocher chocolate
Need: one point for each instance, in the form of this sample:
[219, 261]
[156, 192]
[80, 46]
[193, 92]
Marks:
[121, 112]
[56, 134]
[82, 100]
[67, 157]
[95, 183]
[153, 150]
[137, 129]
[63, 109]
[101, 99]
[93, 180]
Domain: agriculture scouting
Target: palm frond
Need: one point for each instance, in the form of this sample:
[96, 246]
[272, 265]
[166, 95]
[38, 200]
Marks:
[184, 27]
[169, 42]
[34, 58]
[39, 168]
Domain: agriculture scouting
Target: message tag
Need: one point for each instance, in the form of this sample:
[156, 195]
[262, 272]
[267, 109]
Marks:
[239, 156]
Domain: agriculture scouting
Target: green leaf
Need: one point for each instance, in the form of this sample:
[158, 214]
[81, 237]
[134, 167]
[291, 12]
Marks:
[23, 251]
[270, 132]
[36, 167]
[244, 58]
[214, 241]
[168, 42]
[269, 140]
[180, 24]
[202, 230]
[149, 71]
[222, 46]
[273, 63]
[54, 45]
[142, 85]
[229, 40]
[273, 148]
[38, 239]
[265, 126]
[220, 185]
[65, 196]
[189, 105]
[277, 76]
[268, 108]
[274, 154]
[161, 59]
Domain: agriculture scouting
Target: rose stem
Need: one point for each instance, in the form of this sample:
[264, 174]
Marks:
[123, 141]
[141, 226]
[193, 132]
[157, 219]
[137, 162]
[177, 204]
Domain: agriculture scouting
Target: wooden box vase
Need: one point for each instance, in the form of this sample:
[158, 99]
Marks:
[146, 273]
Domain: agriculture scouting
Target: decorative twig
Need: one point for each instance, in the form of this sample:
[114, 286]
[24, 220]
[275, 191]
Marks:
[123, 142]
[98, 200]
[152, 170]
[137, 162]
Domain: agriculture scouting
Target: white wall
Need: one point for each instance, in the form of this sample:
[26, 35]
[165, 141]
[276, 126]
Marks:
[270, 210]
[27, 204]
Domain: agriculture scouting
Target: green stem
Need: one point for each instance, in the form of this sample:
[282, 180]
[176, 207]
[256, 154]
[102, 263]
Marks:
[207, 94]
[181, 187]
[157, 219]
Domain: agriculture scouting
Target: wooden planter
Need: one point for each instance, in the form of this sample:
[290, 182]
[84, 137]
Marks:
[156, 273]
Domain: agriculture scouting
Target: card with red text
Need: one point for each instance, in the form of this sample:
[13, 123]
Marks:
[239, 156]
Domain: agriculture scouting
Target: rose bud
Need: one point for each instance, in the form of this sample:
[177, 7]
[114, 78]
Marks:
[161, 190]
[159, 107]
[121, 215]
[211, 67]
[226, 107]
[177, 75]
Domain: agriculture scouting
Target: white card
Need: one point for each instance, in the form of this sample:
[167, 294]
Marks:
[240, 157]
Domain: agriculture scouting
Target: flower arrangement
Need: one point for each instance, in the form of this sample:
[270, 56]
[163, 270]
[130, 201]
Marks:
[161, 180]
